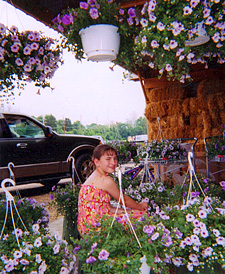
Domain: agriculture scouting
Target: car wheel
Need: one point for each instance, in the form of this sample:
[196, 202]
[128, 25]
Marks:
[84, 167]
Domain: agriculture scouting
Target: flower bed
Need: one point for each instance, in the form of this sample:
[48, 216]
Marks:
[191, 235]
[33, 250]
[37, 253]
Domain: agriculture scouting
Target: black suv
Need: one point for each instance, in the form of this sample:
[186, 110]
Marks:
[37, 154]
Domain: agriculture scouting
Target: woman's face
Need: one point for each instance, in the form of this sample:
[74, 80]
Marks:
[108, 162]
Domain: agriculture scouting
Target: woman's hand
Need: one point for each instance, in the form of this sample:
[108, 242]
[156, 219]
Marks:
[144, 206]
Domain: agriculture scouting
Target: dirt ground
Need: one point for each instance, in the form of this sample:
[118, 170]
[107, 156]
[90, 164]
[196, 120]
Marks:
[46, 199]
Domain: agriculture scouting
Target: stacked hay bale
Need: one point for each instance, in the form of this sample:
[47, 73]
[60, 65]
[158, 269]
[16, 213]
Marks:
[186, 111]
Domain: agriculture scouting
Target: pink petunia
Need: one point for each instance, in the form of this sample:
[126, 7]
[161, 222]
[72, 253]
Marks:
[9, 266]
[190, 217]
[209, 20]
[60, 28]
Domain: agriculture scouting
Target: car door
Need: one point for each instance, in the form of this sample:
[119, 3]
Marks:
[4, 145]
[31, 151]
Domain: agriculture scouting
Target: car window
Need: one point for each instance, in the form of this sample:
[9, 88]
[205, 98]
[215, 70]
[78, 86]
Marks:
[21, 127]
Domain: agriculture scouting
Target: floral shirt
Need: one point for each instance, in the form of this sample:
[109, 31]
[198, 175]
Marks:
[93, 203]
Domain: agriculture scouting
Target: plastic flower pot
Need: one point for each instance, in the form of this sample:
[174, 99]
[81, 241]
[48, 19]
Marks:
[70, 229]
[100, 42]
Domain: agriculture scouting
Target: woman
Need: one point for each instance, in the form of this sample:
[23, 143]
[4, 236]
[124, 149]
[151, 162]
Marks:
[96, 192]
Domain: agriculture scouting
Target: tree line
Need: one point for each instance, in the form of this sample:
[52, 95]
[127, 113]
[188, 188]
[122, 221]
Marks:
[117, 131]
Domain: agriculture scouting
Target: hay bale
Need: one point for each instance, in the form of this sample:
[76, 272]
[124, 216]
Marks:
[165, 93]
[174, 106]
[220, 98]
[215, 131]
[216, 120]
[148, 112]
[206, 132]
[212, 103]
[155, 110]
[194, 106]
[193, 121]
[222, 117]
[152, 95]
[186, 107]
[209, 87]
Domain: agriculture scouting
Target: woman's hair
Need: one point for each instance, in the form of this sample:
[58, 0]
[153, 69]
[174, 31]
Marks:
[101, 150]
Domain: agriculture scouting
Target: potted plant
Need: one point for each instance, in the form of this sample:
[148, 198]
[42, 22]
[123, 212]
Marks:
[169, 29]
[65, 200]
[175, 239]
[25, 57]
[29, 207]
[37, 253]
[126, 151]
[72, 23]
[115, 249]
[216, 148]
[167, 151]
[28, 247]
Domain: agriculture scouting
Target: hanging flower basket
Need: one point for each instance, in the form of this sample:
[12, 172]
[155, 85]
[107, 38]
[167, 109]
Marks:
[100, 42]
[76, 24]
[26, 57]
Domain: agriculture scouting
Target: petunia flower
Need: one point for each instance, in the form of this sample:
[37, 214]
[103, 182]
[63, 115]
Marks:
[103, 255]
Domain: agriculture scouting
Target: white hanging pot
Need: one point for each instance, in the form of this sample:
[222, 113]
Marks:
[201, 38]
[100, 42]
[144, 269]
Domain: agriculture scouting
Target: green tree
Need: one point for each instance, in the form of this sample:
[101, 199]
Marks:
[51, 121]
[78, 128]
[40, 118]
[68, 124]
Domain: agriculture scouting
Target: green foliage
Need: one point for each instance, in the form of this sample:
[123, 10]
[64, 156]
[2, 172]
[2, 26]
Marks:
[118, 131]
[65, 200]
[30, 211]
[156, 193]
[25, 57]
[37, 253]
[164, 150]
[50, 120]
[127, 151]
[216, 146]
[71, 21]
[122, 250]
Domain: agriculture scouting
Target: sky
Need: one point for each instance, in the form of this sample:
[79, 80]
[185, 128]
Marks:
[86, 91]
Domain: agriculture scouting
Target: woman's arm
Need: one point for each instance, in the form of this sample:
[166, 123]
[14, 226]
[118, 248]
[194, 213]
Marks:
[111, 187]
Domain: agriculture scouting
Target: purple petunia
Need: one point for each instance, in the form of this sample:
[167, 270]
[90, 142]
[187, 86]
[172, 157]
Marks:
[66, 19]
[94, 13]
[149, 229]
[84, 5]
[131, 12]
[76, 248]
[103, 255]
[90, 260]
